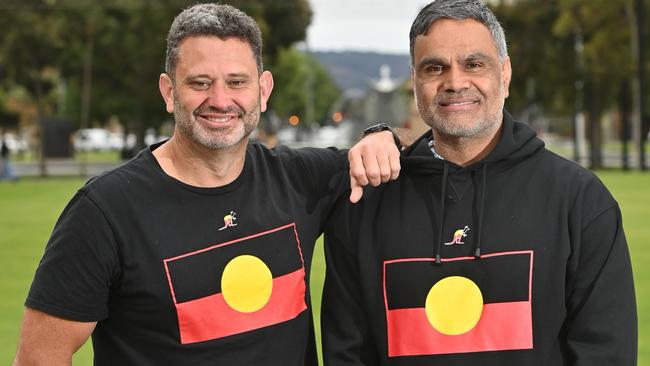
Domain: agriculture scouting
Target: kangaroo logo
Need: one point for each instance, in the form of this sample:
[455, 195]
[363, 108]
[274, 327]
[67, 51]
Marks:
[229, 220]
[458, 236]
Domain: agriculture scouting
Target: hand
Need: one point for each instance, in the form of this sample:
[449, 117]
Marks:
[373, 160]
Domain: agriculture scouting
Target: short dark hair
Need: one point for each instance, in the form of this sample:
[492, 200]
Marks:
[223, 21]
[458, 9]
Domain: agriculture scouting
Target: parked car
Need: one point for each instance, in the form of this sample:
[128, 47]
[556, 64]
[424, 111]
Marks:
[15, 143]
[92, 139]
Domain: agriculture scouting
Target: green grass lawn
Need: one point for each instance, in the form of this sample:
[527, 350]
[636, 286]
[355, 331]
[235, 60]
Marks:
[29, 209]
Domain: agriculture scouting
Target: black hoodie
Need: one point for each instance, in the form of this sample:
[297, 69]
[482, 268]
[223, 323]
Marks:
[518, 259]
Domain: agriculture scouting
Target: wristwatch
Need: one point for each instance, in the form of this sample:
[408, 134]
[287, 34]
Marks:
[383, 127]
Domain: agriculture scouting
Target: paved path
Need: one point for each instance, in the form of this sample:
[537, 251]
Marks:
[65, 167]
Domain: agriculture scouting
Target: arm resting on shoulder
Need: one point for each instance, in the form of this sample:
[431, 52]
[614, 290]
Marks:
[49, 340]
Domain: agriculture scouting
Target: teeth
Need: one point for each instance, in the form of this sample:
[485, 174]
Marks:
[218, 119]
[461, 103]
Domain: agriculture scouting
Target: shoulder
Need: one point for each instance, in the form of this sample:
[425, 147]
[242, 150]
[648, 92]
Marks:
[136, 174]
[586, 191]
[306, 157]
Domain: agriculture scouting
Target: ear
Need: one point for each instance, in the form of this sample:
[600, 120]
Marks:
[266, 87]
[506, 74]
[166, 87]
[414, 86]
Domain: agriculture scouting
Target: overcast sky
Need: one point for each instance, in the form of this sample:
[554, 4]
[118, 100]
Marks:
[362, 25]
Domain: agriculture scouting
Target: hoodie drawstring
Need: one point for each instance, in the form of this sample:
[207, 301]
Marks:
[479, 230]
[481, 207]
[443, 196]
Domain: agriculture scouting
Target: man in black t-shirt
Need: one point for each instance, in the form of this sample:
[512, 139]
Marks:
[198, 250]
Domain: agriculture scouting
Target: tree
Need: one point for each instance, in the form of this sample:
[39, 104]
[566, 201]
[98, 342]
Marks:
[607, 62]
[294, 72]
[33, 50]
[110, 53]
[543, 35]
[541, 61]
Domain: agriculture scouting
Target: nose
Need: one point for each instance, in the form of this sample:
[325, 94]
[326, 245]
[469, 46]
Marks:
[455, 79]
[219, 96]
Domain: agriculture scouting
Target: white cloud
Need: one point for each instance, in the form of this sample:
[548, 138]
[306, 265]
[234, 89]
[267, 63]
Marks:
[364, 25]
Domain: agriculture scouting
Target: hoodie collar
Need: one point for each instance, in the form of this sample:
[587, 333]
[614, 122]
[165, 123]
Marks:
[517, 142]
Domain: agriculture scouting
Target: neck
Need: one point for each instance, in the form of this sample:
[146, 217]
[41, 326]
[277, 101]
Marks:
[465, 151]
[199, 166]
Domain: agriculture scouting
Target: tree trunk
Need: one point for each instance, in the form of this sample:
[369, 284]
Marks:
[86, 92]
[38, 88]
[595, 130]
[644, 123]
[624, 108]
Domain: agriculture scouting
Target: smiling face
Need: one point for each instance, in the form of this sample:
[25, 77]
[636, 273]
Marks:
[217, 95]
[459, 82]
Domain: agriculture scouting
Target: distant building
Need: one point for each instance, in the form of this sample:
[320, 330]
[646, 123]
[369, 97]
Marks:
[385, 100]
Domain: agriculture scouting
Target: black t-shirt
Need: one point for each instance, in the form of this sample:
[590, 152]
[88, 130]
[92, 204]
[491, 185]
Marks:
[164, 267]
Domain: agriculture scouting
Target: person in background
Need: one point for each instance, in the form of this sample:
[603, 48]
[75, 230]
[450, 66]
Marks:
[6, 170]
[489, 249]
[197, 251]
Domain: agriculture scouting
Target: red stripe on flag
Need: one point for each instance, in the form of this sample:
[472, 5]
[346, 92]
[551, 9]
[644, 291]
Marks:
[210, 317]
[503, 326]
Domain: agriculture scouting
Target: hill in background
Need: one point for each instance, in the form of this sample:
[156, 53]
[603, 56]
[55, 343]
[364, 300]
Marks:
[353, 70]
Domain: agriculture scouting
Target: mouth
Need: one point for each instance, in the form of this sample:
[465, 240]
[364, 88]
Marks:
[457, 105]
[217, 119]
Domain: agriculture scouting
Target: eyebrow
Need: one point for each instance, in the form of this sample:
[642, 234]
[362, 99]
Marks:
[198, 76]
[432, 60]
[477, 56]
[474, 56]
[230, 75]
[239, 75]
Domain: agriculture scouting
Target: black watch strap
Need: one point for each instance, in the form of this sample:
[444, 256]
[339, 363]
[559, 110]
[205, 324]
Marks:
[383, 127]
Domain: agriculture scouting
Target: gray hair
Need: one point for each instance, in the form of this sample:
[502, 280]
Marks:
[223, 21]
[459, 10]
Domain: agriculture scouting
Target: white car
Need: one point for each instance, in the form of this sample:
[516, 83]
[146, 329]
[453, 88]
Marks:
[15, 143]
[92, 139]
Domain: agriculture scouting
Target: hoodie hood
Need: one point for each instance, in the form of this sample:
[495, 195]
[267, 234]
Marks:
[517, 142]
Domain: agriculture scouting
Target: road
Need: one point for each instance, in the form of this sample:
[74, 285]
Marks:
[64, 167]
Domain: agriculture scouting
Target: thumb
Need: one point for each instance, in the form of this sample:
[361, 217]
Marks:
[356, 191]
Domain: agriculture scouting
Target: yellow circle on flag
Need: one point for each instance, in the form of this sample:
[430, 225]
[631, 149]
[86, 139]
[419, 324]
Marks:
[454, 305]
[246, 283]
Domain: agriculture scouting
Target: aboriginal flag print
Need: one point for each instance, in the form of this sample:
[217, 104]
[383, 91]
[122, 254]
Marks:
[238, 286]
[465, 305]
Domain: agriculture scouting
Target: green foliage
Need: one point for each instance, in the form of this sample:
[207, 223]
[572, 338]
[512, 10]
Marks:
[31, 47]
[606, 29]
[572, 56]
[45, 41]
[542, 36]
[294, 72]
[542, 63]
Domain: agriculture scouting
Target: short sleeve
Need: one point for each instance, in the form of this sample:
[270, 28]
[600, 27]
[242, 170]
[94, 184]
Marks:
[79, 265]
[321, 174]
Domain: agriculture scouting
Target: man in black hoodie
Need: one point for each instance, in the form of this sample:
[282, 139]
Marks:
[489, 249]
